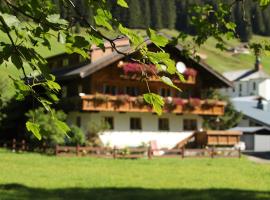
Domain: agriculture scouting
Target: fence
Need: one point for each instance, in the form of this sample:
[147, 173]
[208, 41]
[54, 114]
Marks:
[22, 145]
[133, 153]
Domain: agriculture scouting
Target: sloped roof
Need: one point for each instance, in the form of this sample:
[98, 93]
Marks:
[88, 69]
[248, 106]
[245, 75]
[251, 129]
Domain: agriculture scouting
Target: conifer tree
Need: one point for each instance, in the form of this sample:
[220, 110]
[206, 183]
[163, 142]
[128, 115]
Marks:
[168, 14]
[243, 22]
[146, 13]
[258, 26]
[156, 17]
[135, 19]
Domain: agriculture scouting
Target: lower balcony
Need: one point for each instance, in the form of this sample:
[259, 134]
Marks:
[124, 103]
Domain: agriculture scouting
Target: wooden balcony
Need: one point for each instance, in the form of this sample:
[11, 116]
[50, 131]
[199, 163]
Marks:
[131, 104]
[190, 80]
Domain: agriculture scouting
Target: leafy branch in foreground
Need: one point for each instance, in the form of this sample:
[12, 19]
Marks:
[29, 24]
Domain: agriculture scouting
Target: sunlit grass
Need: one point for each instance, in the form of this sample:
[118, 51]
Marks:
[25, 173]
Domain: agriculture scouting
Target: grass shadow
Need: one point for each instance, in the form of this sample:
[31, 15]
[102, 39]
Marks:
[20, 192]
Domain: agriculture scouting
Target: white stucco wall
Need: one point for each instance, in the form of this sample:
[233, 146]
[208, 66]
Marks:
[122, 136]
[264, 89]
[247, 88]
[122, 120]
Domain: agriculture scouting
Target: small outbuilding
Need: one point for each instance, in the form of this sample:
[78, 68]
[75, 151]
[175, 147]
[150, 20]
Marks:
[255, 138]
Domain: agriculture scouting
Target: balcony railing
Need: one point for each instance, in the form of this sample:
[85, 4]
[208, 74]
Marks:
[123, 103]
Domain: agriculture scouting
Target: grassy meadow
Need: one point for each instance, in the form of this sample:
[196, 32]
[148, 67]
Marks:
[34, 176]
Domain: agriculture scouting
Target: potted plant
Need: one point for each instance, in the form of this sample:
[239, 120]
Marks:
[192, 103]
[190, 74]
[169, 104]
[121, 100]
[209, 103]
[100, 99]
[140, 102]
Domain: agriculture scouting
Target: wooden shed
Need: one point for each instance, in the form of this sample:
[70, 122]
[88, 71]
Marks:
[217, 138]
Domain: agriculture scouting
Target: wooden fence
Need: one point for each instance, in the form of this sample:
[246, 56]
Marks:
[134, 153]
[130, 153]
[22, 145]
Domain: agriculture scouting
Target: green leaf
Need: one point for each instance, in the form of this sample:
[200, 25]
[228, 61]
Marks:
[134, 38]
[122, 3]
[102, 18]
[46, 104]
[159, 58]
[264, 2]
[155, 100]
[53, 85]
[10, 20]
[158, 40]
[34, 128]
[169, 82]
[62, 126]
[55, 19]
[17, 61]
[61, 37]
[230, 26]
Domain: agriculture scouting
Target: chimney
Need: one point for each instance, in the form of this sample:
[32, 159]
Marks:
[260, 103]
[258, 64]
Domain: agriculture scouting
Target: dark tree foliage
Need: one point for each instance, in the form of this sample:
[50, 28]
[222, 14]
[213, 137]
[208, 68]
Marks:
[156, 17]
[230, 118]
[174, 14]
[135, 17]
[168, 14]
[145, 7]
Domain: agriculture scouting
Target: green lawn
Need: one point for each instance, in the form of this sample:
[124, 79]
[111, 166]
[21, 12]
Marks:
[34, 176]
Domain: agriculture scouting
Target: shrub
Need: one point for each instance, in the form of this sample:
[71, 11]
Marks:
[93, 132]
[76, 136]
[49, 130]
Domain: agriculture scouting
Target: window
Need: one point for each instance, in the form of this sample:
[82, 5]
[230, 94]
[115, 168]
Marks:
[132, 91]
[80, 89]
[109, 121]
[135, 124]
[190, 124]
[165, 92]
[65, 62]
[240, 87]
[163, 124]
[78, 121]
[64, 91]
[109, 89]
[254, 85]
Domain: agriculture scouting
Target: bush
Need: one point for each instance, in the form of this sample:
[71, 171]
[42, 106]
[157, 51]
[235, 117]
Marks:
[76, 136]
[49, 130]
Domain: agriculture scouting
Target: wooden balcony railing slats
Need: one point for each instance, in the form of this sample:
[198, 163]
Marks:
[90, 104]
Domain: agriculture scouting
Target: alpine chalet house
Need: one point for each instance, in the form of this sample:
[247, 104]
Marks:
[109, 88]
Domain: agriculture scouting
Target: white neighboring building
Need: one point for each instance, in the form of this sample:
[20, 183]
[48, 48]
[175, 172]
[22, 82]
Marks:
[251, 96]
[252, 82]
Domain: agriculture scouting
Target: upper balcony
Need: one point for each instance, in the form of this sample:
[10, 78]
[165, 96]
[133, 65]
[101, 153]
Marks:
[124, 103]
[135, 71]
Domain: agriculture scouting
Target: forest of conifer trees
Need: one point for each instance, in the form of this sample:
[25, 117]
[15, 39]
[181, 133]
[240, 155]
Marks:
[174, 14]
